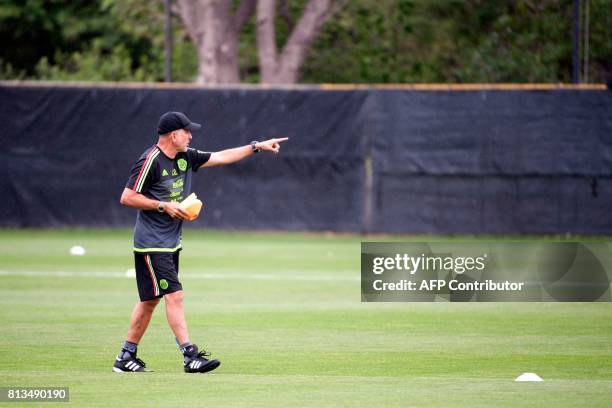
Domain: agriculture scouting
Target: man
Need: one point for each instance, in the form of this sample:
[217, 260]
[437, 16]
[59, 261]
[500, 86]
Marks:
[159, 180]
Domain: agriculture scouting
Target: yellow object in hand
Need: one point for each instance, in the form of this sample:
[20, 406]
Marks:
[192, 205]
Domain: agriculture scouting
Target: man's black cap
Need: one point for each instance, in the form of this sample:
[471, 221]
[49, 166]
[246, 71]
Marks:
[170, 121]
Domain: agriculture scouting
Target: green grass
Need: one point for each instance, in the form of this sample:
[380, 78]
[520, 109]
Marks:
[283, 313]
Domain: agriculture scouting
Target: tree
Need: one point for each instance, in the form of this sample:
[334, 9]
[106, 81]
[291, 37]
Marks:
[367, 41]
[31, 30]
[98, 40]
[284, 68]
[214, 27]
[449, 41]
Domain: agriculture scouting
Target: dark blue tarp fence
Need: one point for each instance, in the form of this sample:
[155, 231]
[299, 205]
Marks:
[364, 160]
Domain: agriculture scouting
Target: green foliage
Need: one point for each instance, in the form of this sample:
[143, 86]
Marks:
[523, 44]
[8, 72]
[143, 21]
[33, 29]
[103, 40]
[247, 53]
[457, 41]
[600, 50]
[98, 64]
[368, 41]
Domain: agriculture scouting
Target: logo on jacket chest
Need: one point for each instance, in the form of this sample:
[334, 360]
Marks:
[181, 164]
[165, 172]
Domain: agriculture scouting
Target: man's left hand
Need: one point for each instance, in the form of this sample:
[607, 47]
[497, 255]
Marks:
[271, 145]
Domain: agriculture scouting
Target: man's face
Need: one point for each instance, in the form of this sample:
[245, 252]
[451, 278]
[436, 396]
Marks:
[181, 139]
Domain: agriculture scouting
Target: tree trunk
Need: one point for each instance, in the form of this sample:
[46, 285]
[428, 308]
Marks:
[266, 40]
[285, 68]
[214, 29]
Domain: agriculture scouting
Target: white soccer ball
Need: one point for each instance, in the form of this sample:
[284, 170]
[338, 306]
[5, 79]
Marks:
[77, 250]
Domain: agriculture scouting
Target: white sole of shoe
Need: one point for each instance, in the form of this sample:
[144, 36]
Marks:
[118, 370]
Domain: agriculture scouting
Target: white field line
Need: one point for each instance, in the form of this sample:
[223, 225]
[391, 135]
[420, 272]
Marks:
[210, 276]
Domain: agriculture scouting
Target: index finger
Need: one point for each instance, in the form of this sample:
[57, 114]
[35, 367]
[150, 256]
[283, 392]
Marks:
[282, 139]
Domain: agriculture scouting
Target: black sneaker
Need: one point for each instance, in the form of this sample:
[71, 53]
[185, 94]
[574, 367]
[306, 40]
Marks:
[196, 362]
[129, 364]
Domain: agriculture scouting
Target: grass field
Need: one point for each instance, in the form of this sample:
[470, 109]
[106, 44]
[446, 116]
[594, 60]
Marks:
[283, 313]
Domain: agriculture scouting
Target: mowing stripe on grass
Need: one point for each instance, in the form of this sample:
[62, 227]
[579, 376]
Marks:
[210, 276]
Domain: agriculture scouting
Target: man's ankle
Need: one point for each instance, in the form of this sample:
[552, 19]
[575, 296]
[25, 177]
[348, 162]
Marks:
[128, 350]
